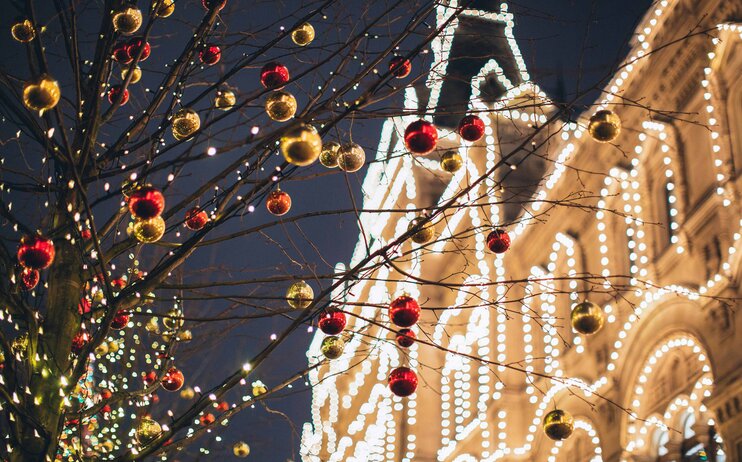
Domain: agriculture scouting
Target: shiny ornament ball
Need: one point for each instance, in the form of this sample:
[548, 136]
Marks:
[299, 295]
[29, 278]
[329, 154]
[351, 157]
[196, 219]
[174, 319]
[225, 100]
[400, 67]
[471, 128]
[587, 318]
[498, 241]
[146, 202]
[165, 8]
[403, 381]
[214, 4]
[405, 338]
[101, 350]
[301, 145]
[421, 137]
[332, 347]
[19, 345]
[117, 92]
[137, 45]
[558, 425]
[136, 74]
[303, 35]
[79, 341]
[280, 106]
[404, 311]
[41, 94]
[259, 388]
[185, 123]
[147, 431]
[127, 20]
[274, 76]
[184, 336]
[278, 202]
[451, 161]
[241, 449]
[187, 393]
[604, 126]
[23, 31]
[424, 233]
[173, 379]
[207, 419]
[210, 55]
[120, 320]
[35, 252]
[121, 53]
[332, 322]
[149, 230]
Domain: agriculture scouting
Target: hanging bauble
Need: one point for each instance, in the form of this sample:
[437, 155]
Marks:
[149, 378]
[214, 4]
[210, 54]
[207, 419]
[116, 92]
[23, 31]
[332, 347]
[329, 155]
[84, 306]
[187, 393]
[225, 99]
[403, 381]
[165, 8]
[558, 424]
[405, 338]
[174, 319]
[274, 76]
[121, 53]
[152, 326]
[301, 145]
[587, 318]
[280, 106]
[351, 157]
[29, 278]
[113, 346]
[127, 20]
[185, 122]
[404, 311]
[196, 219]
[149, 230]
[35, 252]
[147, 431]
[299, 295]
[303, 35]
[120, 320]
[604, 126]
[79, 341]
[101, 350]
[136, 74]
[41, 94]
[278, 202]
[136, 44]
[146, 202]
[498, 240]
[184, 336]
[424, 233]
[241, 449]
[173, 379]
[451, 161]
[471, 128]
[400, 67]
[332, 322]
[19, 345]
[420, 137]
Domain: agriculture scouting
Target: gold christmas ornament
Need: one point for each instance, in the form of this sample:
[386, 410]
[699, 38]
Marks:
[451, 161]
[329, 155]
[165, 9]
[301, 145]
[152, 326]
[259, 388]
[113, 346]
[102, 349]
[19, 345]
[241, 449]
[351, 157]
[280, 106]
[187, 393]
[127, 20]
[41, 94]
[225, 100]
[303, 35]
[147, 431]
[604, 126]
[184, 336]
[136, 74]
[587, 318]
[300, 295]
[186, 122]
[558, 424]
[425, 234]
[173, 320]
[148, 231]
[332, 347]
[23, 31]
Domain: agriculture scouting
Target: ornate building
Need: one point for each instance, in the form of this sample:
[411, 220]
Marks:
[654, 217]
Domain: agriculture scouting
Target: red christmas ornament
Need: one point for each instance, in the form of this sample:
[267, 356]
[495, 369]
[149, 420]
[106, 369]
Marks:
[29, 278]
[278, 202]
[115, 91]
[79, 341]
[106, 393]
[400, 67]
[214, 4]
[146, 203]
[173, 379]
[405, 338]
[498, 241]
[86, 234]
[105, 409]
[118, 283]
[196, 219]
[471, 128]
[149, 378]
[223, 406]
[210, 55]
[121, 53]
[274, 76]
[404, 311]
[403, 381]
[120, 320]
[420, 137]
[207, 419]
[35, 252]
[84, 306]
[332, 322]
[134, 45]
